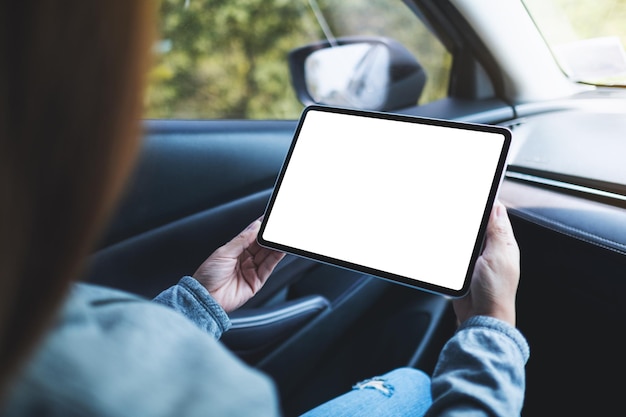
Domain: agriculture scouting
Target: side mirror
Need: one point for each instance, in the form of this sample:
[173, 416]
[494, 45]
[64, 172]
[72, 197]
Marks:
[364, 73]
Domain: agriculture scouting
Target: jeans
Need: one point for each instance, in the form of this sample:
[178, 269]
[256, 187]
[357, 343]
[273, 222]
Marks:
[401, 392]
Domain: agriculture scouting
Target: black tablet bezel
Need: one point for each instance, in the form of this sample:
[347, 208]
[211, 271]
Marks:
[411, 282]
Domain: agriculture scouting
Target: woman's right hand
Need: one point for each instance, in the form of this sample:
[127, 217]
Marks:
[496, 274]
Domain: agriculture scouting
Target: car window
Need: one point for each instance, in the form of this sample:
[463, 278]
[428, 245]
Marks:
[228, 59]
[586, 37]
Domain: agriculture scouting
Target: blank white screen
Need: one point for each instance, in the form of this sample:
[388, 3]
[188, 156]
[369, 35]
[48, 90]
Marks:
[395, 196]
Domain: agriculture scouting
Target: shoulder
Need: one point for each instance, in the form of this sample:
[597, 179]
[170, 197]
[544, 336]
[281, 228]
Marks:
[114, 353]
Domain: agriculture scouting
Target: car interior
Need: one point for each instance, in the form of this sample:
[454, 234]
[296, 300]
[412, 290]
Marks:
[317, 329]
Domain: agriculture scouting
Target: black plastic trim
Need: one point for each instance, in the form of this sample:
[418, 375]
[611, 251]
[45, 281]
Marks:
[597, 223]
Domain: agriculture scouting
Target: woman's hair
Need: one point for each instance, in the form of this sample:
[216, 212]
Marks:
[71, 89]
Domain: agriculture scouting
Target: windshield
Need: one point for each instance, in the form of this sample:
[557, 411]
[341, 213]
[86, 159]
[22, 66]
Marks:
[587, 37]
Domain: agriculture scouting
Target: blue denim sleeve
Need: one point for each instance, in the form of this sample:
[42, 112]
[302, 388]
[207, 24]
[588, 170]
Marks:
[481, 371]
[191, 299]
[110, 353]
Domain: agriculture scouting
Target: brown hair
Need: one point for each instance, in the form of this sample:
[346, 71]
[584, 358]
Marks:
[71, 82]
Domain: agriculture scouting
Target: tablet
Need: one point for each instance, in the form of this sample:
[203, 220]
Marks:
[402, 198]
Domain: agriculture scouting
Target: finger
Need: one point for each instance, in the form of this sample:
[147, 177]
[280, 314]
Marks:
[266, 260]
[255, 225]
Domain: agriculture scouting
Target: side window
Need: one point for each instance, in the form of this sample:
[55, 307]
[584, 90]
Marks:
[227, 59]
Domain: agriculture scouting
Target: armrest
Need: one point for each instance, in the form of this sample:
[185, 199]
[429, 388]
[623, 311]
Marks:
[255, 331]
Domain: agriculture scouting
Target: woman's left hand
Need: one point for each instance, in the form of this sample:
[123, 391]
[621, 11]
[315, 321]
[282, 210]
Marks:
[237, 271]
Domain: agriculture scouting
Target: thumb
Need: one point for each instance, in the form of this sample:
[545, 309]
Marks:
[241, 242]
[501, 251]
[499, 229]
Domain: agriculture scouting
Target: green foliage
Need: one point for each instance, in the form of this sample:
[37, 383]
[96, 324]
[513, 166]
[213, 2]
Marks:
[228, 58]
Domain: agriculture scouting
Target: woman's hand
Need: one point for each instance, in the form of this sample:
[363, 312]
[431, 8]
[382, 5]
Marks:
[496, 274]
[238, 270]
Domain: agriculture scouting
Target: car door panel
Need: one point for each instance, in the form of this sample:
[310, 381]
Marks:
[197, 184]
[186, 167]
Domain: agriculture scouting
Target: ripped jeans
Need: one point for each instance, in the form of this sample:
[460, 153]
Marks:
[401, 392]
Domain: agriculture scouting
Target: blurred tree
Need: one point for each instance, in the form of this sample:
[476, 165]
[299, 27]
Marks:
[244, 42]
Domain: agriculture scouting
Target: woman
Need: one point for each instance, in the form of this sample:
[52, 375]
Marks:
[72, 84]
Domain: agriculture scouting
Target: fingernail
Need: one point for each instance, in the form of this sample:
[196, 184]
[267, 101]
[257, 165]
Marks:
[500, 209]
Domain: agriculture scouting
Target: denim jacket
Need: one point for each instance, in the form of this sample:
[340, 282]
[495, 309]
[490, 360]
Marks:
[115, 354]
[480, 371]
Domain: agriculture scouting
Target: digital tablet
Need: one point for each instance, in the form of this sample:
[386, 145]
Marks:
[402, 198]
